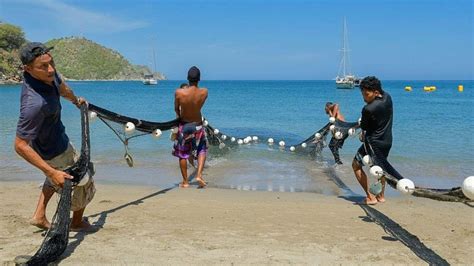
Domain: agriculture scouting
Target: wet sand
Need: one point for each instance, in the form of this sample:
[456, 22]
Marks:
[151, 225]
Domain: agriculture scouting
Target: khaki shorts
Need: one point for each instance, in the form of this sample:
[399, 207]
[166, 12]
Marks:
[82, 195]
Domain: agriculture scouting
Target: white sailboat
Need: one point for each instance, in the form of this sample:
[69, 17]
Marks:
[345, 79]
[149, 79]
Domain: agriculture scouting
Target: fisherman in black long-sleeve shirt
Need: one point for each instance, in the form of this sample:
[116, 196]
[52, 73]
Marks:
[376, 123]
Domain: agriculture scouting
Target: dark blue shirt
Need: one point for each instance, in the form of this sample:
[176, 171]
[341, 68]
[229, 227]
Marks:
[40, 117]
[377, 119]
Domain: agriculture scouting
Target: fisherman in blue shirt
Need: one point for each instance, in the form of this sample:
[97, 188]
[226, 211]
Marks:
[41, 138]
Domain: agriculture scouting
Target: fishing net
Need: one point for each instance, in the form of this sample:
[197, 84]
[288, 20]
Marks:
[56, 238]
[313, 145]
[393, 178]
[126, 128]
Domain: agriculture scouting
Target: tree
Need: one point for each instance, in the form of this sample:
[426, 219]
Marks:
[11, 36]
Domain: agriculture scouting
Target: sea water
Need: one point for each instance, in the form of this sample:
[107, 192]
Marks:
[432, 133]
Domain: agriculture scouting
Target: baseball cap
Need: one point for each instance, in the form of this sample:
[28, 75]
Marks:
[31, 50]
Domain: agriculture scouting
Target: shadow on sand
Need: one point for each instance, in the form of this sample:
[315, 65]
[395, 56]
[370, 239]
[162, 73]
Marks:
[99, 224]
[391, 227]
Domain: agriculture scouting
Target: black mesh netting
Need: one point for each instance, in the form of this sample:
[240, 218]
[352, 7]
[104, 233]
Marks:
[118, 124]
[312, 145]
[392, 177]
[56, 239]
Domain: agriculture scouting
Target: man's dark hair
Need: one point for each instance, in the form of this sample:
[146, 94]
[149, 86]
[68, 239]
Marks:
[194, 75]
[371, 83]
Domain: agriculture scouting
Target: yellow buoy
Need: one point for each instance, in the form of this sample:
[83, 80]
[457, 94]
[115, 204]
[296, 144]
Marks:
[408, 88]
[429, 88]
[460, 88]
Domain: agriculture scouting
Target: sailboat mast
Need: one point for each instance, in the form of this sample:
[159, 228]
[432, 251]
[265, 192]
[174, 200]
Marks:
[154, 62]
[344, 48]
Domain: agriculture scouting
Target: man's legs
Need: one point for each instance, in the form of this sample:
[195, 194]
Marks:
[363, 181]
[191, 160]
[201, 161]
[334, 146]
[77, 223]
[184, 172]
[39, 217]
[381, 197]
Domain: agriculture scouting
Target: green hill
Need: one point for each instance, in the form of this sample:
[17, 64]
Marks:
[82, 59]
[11, 39]
[75, 58]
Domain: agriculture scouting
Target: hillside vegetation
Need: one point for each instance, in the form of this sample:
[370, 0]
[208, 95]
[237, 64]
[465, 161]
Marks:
[11, 39]
[76, 58]
[79, 58]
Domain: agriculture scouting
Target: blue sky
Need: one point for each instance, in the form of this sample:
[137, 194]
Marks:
[406, 39]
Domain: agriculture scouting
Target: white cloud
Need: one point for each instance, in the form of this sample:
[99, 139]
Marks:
[86, 21]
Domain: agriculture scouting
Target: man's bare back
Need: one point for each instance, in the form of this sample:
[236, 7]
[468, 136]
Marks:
[188, 103]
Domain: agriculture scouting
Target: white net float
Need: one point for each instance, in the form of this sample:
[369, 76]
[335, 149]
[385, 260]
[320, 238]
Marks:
[376, 171]
[129, 127]
[468, 187]
[92, 116]
[405, 186]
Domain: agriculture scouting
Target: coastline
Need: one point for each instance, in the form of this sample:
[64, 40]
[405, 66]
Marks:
[142, 224]
[9, 82]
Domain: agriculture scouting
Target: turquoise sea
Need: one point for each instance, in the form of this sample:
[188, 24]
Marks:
[433, 133]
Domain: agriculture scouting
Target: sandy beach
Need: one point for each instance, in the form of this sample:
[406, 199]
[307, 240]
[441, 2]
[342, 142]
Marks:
[151, 225]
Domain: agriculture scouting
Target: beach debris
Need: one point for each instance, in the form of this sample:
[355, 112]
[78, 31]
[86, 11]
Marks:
[376, 188]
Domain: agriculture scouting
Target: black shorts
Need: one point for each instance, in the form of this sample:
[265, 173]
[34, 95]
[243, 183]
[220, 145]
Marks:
[380, 153]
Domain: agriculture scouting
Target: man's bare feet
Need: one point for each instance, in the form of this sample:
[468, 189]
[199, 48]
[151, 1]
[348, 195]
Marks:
[380, 199]
[183, 185]
[83, 226]
[368, 201]
[201, 182]
[41, 223]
